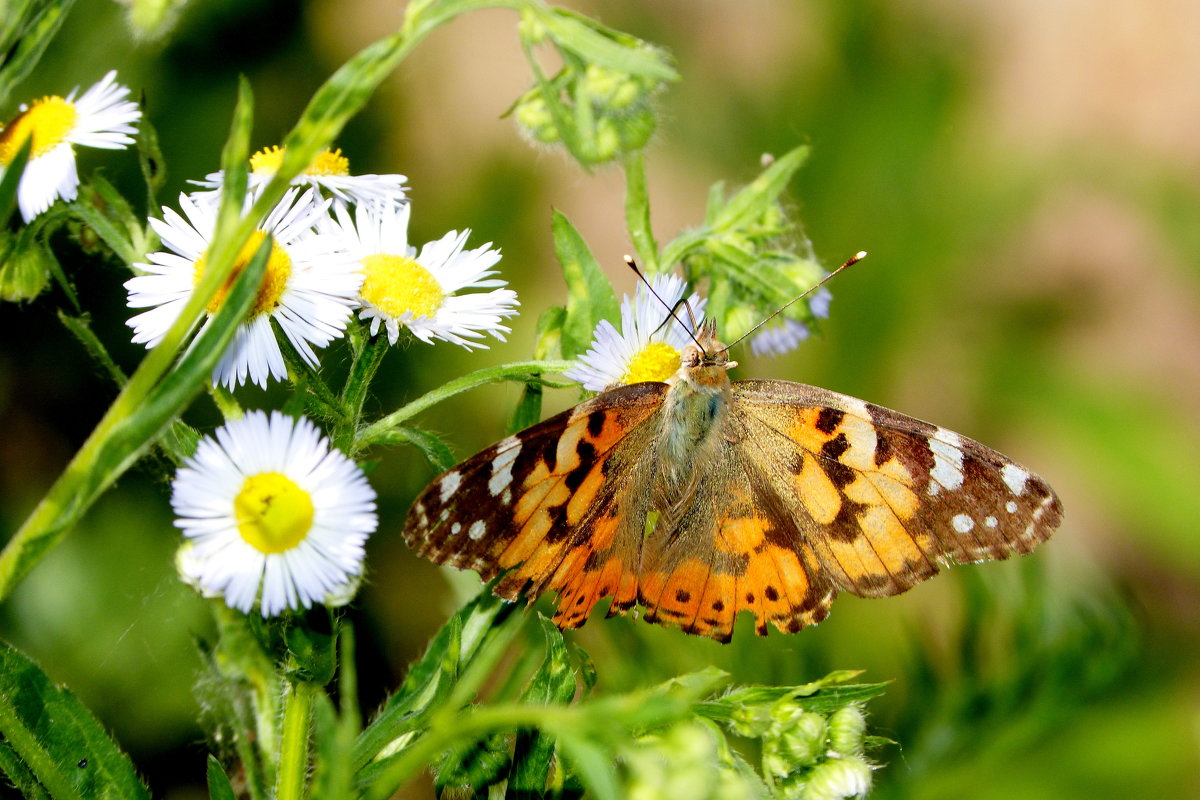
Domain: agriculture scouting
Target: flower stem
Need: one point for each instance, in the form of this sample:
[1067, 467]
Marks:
[293, 751]
[522, 370]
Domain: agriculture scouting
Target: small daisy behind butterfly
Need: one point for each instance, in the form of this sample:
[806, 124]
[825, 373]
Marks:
[697, 498]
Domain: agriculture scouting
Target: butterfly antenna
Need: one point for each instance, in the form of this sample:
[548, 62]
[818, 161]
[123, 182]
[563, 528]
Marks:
[854, 259]
[670, 310]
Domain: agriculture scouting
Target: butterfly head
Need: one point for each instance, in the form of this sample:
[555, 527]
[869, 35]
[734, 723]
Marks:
[705, 362]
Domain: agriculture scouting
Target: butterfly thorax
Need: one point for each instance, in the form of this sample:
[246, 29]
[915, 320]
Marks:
[693, 415]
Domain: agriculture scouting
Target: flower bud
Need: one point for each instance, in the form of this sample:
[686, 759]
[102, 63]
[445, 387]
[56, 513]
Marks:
[838, 779]
[26, 270]
[846, 728]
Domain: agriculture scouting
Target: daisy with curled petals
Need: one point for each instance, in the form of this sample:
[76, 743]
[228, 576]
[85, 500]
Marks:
[103, 117]
[424, 292]
[649, 344]
[328, 172]
[274, 516]
[309, 289]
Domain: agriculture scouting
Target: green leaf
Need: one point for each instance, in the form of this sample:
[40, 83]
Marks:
[430, 681]
[433, 447]
[151, 163]
[314, 647]
[752, 201]
[32, 40]
[590, 297]
[91, 209]
[552, 684]
[605, 47]
[637, 212]
[52, 733]
[593, 764]
[219, 787]
[528, 410]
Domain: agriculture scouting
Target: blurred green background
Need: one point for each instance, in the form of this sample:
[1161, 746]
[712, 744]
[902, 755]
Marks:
[1026, 177]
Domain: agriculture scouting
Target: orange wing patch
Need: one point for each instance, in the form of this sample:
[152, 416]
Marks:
[529, 502]
[890, 498]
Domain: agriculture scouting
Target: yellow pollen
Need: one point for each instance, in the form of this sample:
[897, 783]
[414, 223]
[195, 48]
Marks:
[273, 513]
[656, 362]
[47, 120]
[275, 278]
[327, 162]
[397, 285]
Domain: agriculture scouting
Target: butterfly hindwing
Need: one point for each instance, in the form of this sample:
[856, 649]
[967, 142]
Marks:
[886, 499]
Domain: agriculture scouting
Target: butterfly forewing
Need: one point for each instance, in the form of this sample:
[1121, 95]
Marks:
[885, 499]
[543, 503]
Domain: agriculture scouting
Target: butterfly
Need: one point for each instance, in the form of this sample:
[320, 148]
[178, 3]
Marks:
[700, 498]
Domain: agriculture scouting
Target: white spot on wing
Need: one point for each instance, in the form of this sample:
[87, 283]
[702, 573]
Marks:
[477, 529]
[1011, 507]
[455, 528]
[962, 523]
[991, 522]
[1014, 478]
[947, 459]
[449, 485]
[502, 465]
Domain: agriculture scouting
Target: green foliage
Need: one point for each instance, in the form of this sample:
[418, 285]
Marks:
[52, 743]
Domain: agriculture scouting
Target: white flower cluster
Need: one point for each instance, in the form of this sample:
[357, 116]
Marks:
[339, 244]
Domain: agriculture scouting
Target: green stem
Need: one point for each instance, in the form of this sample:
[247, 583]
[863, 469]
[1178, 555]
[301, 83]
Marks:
[293, 751]
[521, 371]
[362, 371]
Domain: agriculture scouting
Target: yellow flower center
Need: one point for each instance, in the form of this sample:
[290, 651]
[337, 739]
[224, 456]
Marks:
[48, 121]
[327, 162]
[273, 513]
[279, 269]
[397, 285]
[656, 362]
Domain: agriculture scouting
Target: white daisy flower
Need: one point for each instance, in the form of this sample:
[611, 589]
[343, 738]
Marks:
[649, 344]
[103, 117]
[329, 171]
[309, 289]
[422, 292]
[273, 515]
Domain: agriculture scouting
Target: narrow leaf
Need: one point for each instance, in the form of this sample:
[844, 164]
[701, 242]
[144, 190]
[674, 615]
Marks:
[219, 787]
[552, 684]
[753, 200]
[31, 44]
[590, 297]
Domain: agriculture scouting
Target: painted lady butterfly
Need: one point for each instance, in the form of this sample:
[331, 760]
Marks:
[699, 498]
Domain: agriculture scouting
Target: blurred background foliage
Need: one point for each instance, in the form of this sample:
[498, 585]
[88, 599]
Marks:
[1026, 177]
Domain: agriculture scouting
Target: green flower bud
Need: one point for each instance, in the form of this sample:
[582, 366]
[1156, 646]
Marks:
[531, 28]
[750, 721]
[804, 740]
[26, 271]
[636, 129]
[838, 779]
[532, 113]
[846, 728]
[610, 89]
[606, 141]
